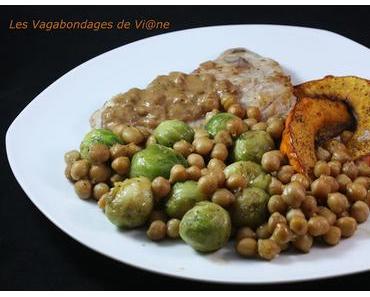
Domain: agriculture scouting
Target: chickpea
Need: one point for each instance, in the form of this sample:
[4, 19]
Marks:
[247, 247]
[99, 153]
[183, 147]
[303, 243]
[327, 214]
[157, 230]
[116, 178]
[356, 191]
[200, 132]
[237, 109]
[132, 149]
[263, 231]
[196, 160]
[346, 136]
[250, 122]
[275, 218]
[363, 180]
[193, 173]
[332, 237]
[350, 169]
[318, 225]
[321, 168]
[367, 200]
[334, 186]
[341, 156]
[72, 156]
[337, 202]
[293, 212]
[343, 180]
[335, 168]
[118, 150]
[294, 194]
[277, 204]
[150, 140]
[285, 173]
[334, 145]
[236, 181]
[219, 176]
[117, 129]
[302, 179]
[80, 169]
[309, 206]
[235, 127]
[216, 164]
[267, 249]
[132, 135]
[99, 190]
[270, 161]
[320, 188]
[245, 232]
[254, 113]
[121, 165]
[260, 126]
[178, 173]
[205, 171]
[363, 169]
[83, 188]
[298, 225]
[281, 234]
[102, 201]
[223, 197]
[67, 172]
[360, 211]
[322, 154]
[275, 187]
[219, 151]
[203, 145]
[173, 228]
[224, 137]
[347, 226]
[157, 215]
[160, 187]
[275, 128]
[207, 184]
[99, 173]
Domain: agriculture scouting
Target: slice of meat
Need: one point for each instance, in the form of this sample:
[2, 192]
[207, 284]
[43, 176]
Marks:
[261, 81]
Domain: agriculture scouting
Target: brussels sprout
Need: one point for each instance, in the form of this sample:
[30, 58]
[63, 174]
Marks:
[171, 131]
[262, 181]
[155, 160]
[248, 169]
[251, 145]
[103, 136]
[130, 202]
[218, 122]
[250, 207]
[206, 227]
[182, 198]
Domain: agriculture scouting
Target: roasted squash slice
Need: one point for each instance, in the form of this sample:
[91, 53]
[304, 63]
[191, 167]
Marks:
[355, 92]
[302, 125]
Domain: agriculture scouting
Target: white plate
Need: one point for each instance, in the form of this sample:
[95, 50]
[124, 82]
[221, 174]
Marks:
[56, 120]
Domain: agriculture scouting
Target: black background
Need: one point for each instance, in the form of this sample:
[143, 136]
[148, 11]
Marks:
[34, 253]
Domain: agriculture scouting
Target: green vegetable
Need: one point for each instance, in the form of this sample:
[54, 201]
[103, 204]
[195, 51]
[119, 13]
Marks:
[251, 145]
[218, 122]
[130, 202]
[206, 227]
[103, 136]
[262, 181]
[250, 207]
[171, 131]
[248, 169]
[184, 195]
[155, 160]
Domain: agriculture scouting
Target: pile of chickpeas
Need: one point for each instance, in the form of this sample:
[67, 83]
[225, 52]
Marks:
[326, 207]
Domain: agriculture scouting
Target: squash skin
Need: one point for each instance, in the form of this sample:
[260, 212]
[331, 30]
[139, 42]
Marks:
[303, 123]
[355, 92]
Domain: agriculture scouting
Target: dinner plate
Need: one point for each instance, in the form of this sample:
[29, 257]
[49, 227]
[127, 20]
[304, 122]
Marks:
[57, 119]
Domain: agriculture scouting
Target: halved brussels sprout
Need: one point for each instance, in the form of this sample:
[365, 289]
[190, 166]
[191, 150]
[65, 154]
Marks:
[103, 136]
[218, 122]
[206, 227]
[171, 131]
[155, 160]
[250, 170]
[130, 202]
[262, 181]
[184, 195]
[251, 145]
[250, 207]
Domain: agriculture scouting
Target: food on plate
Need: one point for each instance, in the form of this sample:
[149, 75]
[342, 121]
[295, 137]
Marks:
[309, 116]
[194, 157]
[206, 227]
[354, 91]
[261, 81]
